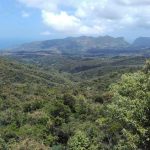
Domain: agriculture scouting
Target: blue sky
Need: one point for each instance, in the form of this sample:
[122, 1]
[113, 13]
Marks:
[15, 26]
[29, 20]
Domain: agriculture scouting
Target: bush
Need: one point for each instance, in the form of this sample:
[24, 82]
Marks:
[79, 141]
[38, 117]
[70, 101]
[32, 105]
[127, 116]
[28, 144]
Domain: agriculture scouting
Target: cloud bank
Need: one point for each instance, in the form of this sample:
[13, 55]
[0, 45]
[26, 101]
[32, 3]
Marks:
[89, 17]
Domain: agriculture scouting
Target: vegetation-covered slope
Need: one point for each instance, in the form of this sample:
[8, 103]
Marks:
[126, 120]
[46, 108]
[33, 111]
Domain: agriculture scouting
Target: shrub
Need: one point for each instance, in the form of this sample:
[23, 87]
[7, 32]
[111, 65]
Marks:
[79, 141]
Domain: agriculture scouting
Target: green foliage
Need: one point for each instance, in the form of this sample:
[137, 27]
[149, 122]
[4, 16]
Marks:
[70, 101]
[3, 145]
[126, 123]
[32, 106]
[38, 117]
[28, 144]
[79, 141]
[146, 67]
[61, 106]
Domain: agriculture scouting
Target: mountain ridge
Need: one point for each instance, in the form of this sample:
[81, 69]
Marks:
[75, 44]
[142, 42]
[85, 45]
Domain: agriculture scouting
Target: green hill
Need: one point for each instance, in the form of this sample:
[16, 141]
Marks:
[44, 105]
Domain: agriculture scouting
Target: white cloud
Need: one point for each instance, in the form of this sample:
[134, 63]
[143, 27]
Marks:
[69, 24]
[61, 21]
[133, 2]
[92, 17]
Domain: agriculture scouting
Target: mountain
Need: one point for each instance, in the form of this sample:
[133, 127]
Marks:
[73, 45]
[142, 42]
[83, 46]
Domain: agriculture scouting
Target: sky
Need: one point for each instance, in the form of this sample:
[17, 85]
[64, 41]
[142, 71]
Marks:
[32, 20]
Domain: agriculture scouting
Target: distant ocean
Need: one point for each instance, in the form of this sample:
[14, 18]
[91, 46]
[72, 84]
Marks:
[10, 43]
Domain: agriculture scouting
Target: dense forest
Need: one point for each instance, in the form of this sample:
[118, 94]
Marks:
[73, 103]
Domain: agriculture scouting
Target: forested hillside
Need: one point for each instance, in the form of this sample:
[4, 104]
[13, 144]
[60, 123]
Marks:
[46, 104]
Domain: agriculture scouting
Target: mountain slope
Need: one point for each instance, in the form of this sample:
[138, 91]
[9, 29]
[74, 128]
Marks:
[142, 42]
[17, 73]
[85, 46]
[73, 45]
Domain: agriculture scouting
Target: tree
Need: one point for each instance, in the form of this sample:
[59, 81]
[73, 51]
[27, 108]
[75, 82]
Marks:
[127, 118]
[79, 141]
[146, 67]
